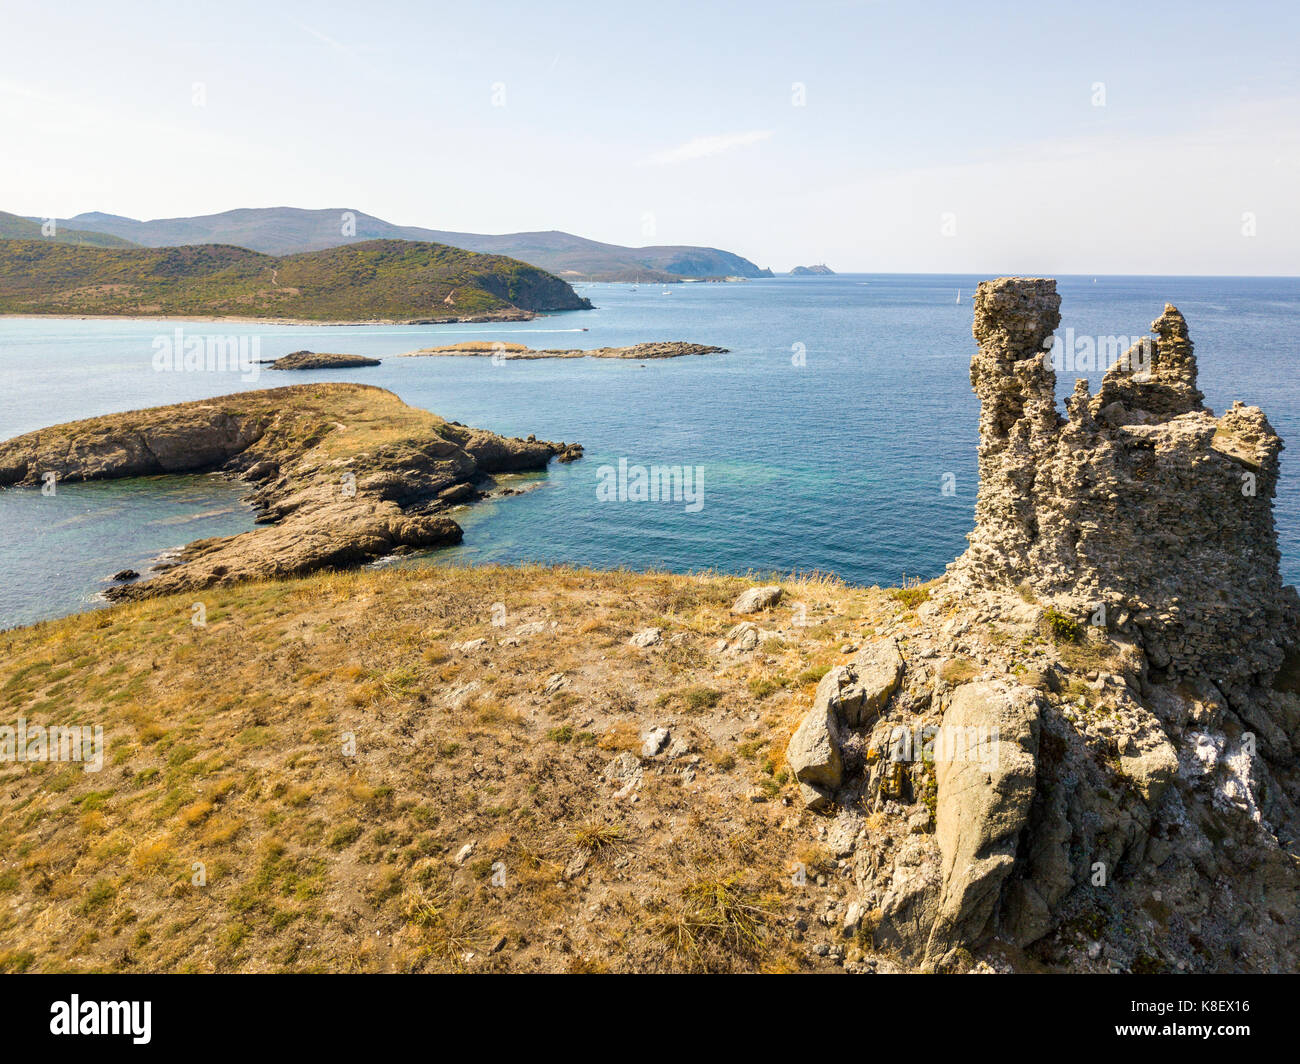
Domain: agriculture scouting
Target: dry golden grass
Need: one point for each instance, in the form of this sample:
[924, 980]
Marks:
[289, 787]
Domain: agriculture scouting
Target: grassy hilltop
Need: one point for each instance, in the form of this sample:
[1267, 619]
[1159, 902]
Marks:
[473, 724]
[379, 280]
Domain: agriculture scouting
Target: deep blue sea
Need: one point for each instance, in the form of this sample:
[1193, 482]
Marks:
[822, 439]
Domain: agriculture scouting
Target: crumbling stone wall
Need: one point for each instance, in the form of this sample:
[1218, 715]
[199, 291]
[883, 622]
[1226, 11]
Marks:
[1140, 509]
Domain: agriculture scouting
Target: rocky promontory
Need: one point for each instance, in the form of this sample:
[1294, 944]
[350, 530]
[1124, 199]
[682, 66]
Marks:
[1077, 749]
[503, 351]
[342, 474]
[321, 360]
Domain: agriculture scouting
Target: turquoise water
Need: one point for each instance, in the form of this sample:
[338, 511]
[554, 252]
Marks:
[836, 464]
[59, 550]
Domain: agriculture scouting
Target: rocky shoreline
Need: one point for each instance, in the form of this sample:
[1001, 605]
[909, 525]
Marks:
[503, 351]
[342, 474]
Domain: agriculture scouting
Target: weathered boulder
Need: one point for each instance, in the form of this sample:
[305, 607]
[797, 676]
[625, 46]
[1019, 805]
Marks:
[813, 752]
[857, 693]
[757, 598]
[814, 797]
[740, 637]
[654, 740]
[985, 768]
[646, 638]
[879, 668]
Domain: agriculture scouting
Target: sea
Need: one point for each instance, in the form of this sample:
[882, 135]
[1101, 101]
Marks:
[837, 435]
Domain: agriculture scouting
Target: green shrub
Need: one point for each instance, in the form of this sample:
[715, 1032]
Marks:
[1063, 628]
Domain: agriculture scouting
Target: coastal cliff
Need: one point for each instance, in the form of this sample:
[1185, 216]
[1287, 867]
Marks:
[1075, 751]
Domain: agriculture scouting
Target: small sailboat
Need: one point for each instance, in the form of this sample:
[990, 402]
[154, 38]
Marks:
[959, 295]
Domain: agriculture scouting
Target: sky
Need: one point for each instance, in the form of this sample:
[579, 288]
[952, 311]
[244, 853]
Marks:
[1052, 138]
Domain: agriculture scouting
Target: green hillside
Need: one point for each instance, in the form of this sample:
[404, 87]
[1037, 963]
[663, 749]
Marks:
[390, 280]
[12, 227]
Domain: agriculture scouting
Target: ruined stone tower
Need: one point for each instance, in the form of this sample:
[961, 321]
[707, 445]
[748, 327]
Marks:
[1140, 510]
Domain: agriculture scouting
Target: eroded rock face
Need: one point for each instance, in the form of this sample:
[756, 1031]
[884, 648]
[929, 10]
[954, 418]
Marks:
[814, 750]
[1120, 617]
[1141, 504]
[986, 780]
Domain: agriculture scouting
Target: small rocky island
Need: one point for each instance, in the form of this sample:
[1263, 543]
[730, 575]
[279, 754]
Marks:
[503, 351]
[820, 270]
[342, 474]
[321, 360]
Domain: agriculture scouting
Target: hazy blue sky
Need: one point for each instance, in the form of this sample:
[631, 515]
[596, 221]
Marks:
[932, 136]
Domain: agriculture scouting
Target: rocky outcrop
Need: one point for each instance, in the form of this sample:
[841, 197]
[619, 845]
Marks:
[985, 772]
[511, 352]
[757, 598]
[1141, 507]
[322, 360]
[1089, 762]
[343, 474]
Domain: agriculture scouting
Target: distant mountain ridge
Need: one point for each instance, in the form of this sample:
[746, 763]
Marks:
[12, 227]
[288, 230]
[377, 280]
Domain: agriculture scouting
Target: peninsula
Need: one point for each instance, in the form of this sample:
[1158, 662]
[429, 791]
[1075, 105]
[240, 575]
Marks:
[343, 474]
